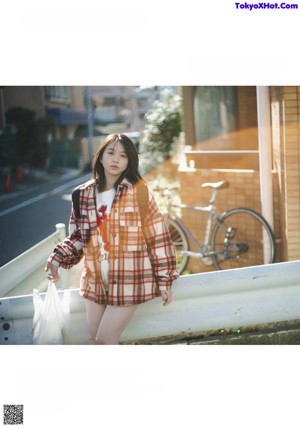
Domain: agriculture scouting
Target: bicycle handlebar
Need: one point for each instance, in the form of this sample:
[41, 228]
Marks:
[167, 191]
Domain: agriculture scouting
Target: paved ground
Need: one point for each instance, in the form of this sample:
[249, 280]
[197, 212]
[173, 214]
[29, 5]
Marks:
[32, 180]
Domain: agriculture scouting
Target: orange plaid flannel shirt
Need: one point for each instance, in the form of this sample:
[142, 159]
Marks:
[140, 264]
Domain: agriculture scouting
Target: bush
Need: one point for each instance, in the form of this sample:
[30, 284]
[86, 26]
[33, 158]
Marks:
[32, 135]
[164, 125]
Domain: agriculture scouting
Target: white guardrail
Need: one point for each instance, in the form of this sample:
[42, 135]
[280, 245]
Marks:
[201, 302]
[25, 272]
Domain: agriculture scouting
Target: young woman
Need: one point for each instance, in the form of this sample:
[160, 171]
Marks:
[128, 260]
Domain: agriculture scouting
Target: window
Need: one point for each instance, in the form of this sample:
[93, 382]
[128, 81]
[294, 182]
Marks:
[215, 111]
[58, 94]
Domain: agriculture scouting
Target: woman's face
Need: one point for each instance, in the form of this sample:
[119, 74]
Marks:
[114, 160]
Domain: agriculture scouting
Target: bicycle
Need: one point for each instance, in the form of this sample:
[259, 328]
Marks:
[239, 237]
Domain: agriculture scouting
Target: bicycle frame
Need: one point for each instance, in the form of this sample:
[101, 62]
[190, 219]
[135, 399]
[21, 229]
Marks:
[212, 215]
[222, 241]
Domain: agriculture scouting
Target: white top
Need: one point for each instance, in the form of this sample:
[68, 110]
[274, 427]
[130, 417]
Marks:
[104, 201]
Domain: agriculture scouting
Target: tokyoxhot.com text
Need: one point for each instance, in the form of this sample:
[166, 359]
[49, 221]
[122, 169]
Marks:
[251, 6]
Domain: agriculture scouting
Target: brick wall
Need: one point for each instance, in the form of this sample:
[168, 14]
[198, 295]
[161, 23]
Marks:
[244, 191]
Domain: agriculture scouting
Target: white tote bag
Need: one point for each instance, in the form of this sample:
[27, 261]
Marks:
[51, 317]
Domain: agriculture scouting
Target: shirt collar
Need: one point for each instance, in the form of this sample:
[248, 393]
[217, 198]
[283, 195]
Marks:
[123, 183]
[126, 183]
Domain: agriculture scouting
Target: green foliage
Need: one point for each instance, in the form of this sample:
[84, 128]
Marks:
[32, 135]
[43, 126]
[164, 125]
[20, 117]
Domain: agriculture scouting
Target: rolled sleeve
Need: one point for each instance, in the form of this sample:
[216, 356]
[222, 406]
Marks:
[69, 252]
[160, 247]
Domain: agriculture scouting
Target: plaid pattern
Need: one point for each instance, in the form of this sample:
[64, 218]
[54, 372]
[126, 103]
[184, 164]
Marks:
[140, 264]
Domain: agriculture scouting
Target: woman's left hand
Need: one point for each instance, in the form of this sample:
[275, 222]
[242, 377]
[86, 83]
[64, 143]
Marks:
[166, 296]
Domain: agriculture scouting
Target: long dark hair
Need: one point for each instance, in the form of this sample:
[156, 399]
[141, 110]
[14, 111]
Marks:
[132, 171]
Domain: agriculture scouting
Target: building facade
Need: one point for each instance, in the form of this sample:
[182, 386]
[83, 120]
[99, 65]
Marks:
[79, 113]
[222, 132]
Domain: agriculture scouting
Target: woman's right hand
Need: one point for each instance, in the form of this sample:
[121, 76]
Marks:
[52, 272]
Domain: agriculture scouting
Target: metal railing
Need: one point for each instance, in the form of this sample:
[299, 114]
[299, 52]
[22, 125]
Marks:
[201, 302]
[25, 272]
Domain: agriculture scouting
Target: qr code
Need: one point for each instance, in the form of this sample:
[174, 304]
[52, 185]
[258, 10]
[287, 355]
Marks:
[13, 414]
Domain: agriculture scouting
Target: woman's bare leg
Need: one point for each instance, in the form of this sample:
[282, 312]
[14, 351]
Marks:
[94, 313]
[112, 324]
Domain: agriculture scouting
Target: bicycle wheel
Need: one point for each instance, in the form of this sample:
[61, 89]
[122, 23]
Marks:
[240, 238]
[181, 244]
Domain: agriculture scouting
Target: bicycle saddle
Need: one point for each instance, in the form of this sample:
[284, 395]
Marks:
[218, 185]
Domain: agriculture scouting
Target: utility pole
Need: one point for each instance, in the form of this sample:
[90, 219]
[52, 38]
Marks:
[90, 120]
[3, 123]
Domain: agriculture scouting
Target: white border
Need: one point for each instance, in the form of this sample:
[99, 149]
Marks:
[134, 43]
[138, 43]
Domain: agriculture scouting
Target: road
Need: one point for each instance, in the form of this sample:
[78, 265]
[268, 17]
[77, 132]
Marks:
[28, 220]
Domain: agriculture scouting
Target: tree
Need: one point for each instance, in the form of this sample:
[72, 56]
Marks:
[164, 125]
[43, 127]
[23, 120]
[32, 135]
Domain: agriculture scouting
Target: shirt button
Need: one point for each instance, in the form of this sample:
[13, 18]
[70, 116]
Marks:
[114, 281]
